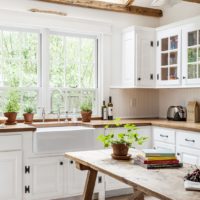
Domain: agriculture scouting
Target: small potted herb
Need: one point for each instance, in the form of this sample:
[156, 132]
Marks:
[12, 107]
[28, 115]
[122, 141]
[86, 111]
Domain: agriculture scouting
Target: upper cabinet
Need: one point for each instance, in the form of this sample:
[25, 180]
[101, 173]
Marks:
[191, 54]
[169, 57]
[138, 57]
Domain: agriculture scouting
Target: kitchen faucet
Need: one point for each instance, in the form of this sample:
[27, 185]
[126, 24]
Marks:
[43, 113]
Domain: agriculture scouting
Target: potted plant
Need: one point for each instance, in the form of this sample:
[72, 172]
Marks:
[12, 107]
[28, 115]
[122, 141]
[86, 111]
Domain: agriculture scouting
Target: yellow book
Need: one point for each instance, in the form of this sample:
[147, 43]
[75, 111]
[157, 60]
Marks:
[160, 158]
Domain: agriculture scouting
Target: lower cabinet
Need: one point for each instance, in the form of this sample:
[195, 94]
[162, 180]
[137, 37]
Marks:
[43, 178]
[11, 175]
[187, 147]
[75, 179]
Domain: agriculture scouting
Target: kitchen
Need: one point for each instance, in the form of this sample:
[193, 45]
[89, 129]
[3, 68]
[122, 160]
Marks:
[142, 79]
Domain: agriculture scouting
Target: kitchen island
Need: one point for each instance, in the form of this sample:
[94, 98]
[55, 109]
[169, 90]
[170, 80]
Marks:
[165, 184]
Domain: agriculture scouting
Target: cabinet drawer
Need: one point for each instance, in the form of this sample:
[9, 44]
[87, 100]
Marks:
[10, 142]
[188, 139]
[164, 135]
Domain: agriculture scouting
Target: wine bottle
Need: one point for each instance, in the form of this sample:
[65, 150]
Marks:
[110, 109]
[104, 111]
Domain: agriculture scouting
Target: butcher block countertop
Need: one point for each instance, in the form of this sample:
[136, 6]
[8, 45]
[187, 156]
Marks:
[188, 126]
[16, 128]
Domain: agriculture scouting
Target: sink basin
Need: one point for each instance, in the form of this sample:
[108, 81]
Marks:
[62, 139]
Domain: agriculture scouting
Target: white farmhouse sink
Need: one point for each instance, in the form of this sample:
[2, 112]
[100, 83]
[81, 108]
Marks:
[62, 139]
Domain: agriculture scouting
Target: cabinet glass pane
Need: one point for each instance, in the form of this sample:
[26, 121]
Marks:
[199, 71]
[173, 73]
[192, 71]
[192, 55]
[173, 58]
[164, 44]
[192, 38]
[164, 59]
[174, 42]
[199, 36]
[199, 54]
[164, 74]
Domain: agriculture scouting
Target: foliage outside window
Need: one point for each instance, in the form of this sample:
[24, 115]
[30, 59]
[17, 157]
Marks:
[71, 70]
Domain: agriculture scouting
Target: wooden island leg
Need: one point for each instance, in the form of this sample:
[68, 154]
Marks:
[137, 195]
[90, 181]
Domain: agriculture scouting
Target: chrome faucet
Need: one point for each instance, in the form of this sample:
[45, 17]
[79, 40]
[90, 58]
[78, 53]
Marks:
[43, 113]
[59, 113]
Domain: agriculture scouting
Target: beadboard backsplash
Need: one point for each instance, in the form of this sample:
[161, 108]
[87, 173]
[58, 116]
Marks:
[139, 103]
[135, 103]
[168, 97]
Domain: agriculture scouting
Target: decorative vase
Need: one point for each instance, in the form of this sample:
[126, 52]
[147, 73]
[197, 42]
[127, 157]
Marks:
[86, 116]
[11, 118]
[28, 118]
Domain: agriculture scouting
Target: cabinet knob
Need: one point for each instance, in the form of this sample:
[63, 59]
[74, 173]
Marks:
[61, 163]
[139, 79]
[178, 154]
[71, 161]
[184, 77]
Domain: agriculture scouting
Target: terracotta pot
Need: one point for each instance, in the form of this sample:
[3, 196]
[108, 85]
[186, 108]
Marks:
[86, 116]
[11, 118]
[120, 149]
[28, 118]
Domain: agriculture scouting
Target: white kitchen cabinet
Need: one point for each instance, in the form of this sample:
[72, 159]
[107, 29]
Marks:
[11, 175]
[191, 54]
[187, 147]
[43, 178]
[164, 138]
[169, 57]
[138, 57]
[75, 180]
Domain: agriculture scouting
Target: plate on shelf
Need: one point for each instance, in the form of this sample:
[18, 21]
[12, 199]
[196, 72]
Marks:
[191, 185]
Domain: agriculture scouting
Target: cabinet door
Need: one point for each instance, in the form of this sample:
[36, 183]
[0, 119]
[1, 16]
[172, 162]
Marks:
[74, 179]
[44, 178]
[191, 54]
[188, 155]
[11, 175]
[168, 57]
[145, 58]
[128, 56]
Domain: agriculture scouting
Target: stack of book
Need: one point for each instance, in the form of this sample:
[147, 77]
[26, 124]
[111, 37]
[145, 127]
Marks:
[157, 158]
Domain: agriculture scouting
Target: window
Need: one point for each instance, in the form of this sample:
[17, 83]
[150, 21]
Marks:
[19, 65]
[68, 77]
[73, 71]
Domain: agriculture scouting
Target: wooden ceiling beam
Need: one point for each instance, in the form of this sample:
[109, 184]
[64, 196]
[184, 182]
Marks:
[101, 5]
[193, 1]
[129, 2]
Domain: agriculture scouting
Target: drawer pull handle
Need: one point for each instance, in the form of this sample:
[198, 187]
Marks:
[161, 135]
[187, 140]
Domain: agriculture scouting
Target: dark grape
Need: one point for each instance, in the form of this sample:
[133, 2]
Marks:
[194, 176]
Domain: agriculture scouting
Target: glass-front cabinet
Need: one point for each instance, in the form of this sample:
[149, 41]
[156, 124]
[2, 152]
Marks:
[168, 57]
[191, 54]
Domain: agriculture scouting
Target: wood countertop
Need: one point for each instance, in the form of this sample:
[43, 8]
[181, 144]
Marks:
[188, 126]
[16, 128]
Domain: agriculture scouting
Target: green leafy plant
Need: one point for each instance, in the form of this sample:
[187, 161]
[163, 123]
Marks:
[128, 137]
[12, 102]
[28, 110]
[86, 106]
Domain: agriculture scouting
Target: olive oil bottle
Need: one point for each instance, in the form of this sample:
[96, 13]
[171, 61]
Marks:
[104, 111]
[110, 109]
